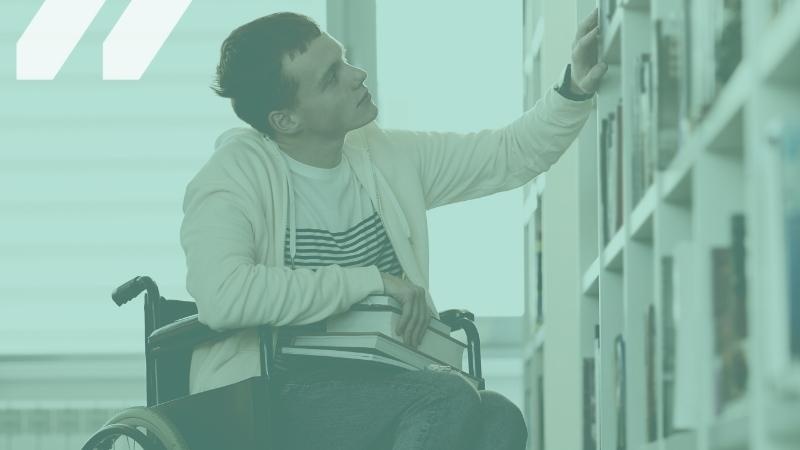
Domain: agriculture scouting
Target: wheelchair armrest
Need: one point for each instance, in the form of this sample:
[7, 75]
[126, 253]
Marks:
[454, 318]
[461, 319]
[183, 334]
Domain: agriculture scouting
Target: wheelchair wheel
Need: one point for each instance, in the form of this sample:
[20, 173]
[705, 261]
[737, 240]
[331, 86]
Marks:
[137, 428]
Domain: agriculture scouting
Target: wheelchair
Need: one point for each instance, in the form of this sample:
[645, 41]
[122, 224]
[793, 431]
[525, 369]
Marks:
[239, 416]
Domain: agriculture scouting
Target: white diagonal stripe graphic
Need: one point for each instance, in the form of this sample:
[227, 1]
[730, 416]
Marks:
[51, 36]
[138, 35]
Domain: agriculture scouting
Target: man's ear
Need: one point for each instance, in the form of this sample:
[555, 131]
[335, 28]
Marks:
[284, 121]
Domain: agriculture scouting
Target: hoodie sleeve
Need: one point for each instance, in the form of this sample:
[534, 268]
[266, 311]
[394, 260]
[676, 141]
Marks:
[231, 289]
[454, 167]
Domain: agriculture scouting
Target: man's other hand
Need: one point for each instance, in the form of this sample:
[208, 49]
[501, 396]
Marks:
[416, 315]
[587, 72]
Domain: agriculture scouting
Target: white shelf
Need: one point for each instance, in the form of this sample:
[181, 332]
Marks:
[721, 167]
[612, 254]
[642, 216]
[677, 180]
[591, 278]
[723, 126]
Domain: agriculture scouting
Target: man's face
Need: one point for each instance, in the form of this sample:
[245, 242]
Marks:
[330, 90]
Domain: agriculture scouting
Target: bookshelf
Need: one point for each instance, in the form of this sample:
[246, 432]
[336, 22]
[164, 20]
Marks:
[688, 242]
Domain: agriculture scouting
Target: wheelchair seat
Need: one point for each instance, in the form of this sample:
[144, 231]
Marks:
[238, 416]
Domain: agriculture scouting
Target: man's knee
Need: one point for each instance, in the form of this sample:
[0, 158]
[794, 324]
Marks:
[501, 413]
[455, 393]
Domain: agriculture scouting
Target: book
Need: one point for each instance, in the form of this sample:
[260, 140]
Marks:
[786, 140]
[598, 429]
[611, 160]
[436, 343]
[728, 42]
[620, 387]
[650, 374]
[337, 353]
[620, 157]
[374, 340]
[385, 302]
[667, 345]
[539, 261]
[730, 318]
[368, 343]
[589, 405]
[540, 410]
[602, 158]
[641, 167]
[289, 351]
[668, 73]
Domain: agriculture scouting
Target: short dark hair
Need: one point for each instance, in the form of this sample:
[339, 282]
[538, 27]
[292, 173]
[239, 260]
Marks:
[250, 69]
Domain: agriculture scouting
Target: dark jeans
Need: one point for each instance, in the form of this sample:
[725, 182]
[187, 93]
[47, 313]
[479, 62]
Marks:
[358, 405]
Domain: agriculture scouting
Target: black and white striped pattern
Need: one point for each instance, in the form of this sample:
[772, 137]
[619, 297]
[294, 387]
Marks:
[364, 244]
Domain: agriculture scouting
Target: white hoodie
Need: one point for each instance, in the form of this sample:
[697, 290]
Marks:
[237, 206]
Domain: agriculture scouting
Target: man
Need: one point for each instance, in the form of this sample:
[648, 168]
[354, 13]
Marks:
[314, 207]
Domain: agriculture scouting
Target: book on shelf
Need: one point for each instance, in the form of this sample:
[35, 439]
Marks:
[641, 153]
[668, 71]
[540, 410]
[620, 388]
[697, 84]
[598, 386]
[603, 149]
[619, 158]
[786, 140]
[611, 161]
[712, 51]
[667, 345]
[539, 260]
[728, 40]
[650, 374]
[589, 405]
[730, 318]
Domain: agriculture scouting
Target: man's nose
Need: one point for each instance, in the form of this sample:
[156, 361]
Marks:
[360, 76]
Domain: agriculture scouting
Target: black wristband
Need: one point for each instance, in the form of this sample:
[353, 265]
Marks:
[566, 88]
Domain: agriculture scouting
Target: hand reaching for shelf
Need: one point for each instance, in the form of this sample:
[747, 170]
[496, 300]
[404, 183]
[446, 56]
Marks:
[587, 71]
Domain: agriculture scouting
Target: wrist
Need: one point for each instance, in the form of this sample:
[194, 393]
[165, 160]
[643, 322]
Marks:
[570, 89]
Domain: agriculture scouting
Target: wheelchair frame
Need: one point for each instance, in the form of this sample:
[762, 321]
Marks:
[172, 330]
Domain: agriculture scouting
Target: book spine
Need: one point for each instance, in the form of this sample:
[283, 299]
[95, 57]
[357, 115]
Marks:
[668, 344]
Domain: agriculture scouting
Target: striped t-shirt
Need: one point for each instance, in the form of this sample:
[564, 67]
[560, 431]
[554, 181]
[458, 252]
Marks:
[336, 222]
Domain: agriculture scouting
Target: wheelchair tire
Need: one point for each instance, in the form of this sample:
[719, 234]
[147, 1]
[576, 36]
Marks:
[158, 431]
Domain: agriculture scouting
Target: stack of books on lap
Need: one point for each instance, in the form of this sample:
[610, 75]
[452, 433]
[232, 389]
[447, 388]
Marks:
[366, 332]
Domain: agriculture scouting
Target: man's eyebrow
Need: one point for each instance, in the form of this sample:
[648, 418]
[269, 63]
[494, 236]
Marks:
[331, 68]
